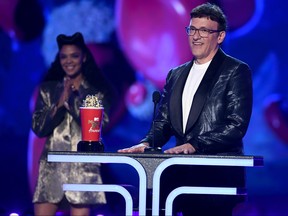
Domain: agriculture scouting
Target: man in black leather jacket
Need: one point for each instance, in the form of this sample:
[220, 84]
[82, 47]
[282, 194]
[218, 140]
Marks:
[206, 105]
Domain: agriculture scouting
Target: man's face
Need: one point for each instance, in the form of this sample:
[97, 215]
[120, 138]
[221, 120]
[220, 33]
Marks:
[204, 48]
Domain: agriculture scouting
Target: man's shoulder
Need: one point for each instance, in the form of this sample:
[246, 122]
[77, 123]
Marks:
[233, 60]
[184, 65]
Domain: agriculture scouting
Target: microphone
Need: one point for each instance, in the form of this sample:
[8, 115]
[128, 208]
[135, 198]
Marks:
[156, 98]
[152, 149]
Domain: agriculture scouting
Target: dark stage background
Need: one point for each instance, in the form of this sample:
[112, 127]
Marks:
[135, 43]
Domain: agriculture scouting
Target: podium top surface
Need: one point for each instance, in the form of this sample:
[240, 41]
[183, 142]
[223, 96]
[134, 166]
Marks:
[258, 160]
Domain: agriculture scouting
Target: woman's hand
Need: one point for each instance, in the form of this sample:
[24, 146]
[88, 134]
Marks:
[67, 90]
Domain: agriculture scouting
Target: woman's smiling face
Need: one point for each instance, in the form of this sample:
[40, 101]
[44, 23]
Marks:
[71, 59]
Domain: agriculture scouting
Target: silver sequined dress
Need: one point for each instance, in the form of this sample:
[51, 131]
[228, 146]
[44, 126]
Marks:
[63, 134]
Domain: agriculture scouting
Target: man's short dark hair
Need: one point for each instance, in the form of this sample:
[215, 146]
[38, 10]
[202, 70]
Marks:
[212, 12]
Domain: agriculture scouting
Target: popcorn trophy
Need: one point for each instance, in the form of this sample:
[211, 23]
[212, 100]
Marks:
[91, 115]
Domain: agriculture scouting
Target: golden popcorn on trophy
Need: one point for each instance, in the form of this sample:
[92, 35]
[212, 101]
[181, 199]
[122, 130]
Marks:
[91, 115]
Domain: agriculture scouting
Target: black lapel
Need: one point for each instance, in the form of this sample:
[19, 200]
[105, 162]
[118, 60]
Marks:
[176, 99]
[211, 76]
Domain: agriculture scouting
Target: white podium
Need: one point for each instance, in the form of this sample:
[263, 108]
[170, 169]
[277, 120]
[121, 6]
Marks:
[150, 168]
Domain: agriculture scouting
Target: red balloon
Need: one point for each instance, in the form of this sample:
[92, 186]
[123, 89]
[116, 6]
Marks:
[152, 35]
[275, 117]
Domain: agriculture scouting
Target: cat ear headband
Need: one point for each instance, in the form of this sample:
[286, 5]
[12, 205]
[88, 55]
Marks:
[76, 39]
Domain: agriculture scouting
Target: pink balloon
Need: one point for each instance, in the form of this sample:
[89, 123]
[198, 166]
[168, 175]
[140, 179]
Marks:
[102, 53]
[139, 99]
[152, 35]
[276, 118]
[7, 9]
[15, 21]
[136, 94]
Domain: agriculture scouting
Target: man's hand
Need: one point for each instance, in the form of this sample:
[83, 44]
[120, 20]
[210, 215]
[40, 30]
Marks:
[186, 148]
[135, 149]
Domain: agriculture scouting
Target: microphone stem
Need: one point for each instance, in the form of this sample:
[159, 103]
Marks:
[153, 126]
[153, 138]
[152, 149]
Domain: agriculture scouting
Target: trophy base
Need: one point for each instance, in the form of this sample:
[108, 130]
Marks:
[90, 146]
[153, 150]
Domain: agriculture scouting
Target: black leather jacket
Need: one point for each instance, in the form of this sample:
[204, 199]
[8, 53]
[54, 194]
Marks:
[220, 112]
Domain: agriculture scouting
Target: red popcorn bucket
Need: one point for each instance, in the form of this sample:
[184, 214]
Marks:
[91, 125]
